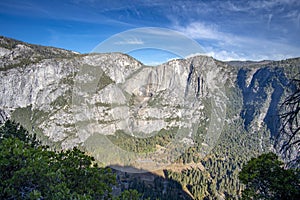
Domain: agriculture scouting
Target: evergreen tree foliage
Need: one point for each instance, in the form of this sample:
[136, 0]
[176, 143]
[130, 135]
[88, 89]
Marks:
[265, 178]
[31, 171]
[129, 195]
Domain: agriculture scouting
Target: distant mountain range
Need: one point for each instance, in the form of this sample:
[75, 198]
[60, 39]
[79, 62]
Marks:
[195, 110]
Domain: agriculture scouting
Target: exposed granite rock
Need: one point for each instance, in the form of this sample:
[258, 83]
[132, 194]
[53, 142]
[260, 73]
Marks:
[69, 98]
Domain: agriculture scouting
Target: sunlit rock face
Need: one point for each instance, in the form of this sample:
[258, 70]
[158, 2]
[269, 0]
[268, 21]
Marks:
[70, 99]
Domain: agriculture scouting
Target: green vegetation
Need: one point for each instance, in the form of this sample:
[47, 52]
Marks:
[103, 81]
[217, 173]
[265, 178]
[46, 52]
[159, 188]
[177, 119]
[142, 145]
[156, 100]
[62, 101]
[32, 54]
[23, 62]
[31, 171]
[101, 104]
[30, 119]
[69, 79]
[216, 176]
[194, 180]
[129, 195]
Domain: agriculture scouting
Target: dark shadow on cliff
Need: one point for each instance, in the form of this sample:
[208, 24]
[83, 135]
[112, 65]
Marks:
[265, 80]
[149, 184]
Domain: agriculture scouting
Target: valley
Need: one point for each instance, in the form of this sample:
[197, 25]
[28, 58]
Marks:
[190, 123]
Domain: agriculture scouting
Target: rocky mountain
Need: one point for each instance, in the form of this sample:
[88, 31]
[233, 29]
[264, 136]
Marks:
[195, 110]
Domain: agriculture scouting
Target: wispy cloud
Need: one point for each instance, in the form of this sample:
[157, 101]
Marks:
[228, 29]
[270, 16]
[252, 5]
[268, 4]
[231, 6]
[130, 41]
[199, 30]
[226, 55]
[294, 16]
[78, 11]
[23, 8]
[228, 46]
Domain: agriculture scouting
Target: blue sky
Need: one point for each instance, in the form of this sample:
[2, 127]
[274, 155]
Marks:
[226, 30]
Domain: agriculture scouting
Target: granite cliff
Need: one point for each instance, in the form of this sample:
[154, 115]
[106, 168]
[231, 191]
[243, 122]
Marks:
[72, 99]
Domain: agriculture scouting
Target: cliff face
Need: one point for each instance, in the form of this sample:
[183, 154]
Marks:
[71, 99]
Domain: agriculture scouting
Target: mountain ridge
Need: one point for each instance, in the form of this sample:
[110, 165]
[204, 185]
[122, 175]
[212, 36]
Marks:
[123, 64]
[10, 43]
[214, 113]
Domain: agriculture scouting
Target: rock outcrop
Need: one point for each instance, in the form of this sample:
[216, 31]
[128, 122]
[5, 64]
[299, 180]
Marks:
[70, 99]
